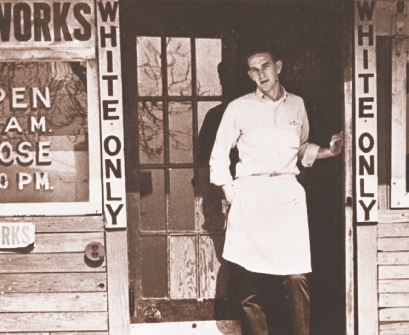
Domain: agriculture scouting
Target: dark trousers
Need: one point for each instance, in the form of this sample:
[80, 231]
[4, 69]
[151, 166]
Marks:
[274, 305]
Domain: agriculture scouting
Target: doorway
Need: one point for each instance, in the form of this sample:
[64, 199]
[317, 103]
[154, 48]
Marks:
[176, 218]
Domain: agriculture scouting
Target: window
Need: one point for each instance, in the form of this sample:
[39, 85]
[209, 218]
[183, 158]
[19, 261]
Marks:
[46, 166]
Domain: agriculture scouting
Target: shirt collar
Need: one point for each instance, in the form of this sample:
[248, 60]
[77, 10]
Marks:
[262, 96]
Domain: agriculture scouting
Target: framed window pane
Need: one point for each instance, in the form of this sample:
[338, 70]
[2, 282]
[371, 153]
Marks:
[151, 145]
[181, 200]
[183, 262]
[180, 132]
[209, 115]
[149, 66]
[204, 107]
[154, 265]
[152, 191]
[208, 57]
[212, 267]
[179, 62]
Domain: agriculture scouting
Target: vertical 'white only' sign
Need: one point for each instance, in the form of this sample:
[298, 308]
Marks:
[366, 174]
[112, 132]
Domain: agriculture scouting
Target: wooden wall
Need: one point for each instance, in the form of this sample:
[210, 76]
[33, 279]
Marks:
[52, 287]
[393, 274]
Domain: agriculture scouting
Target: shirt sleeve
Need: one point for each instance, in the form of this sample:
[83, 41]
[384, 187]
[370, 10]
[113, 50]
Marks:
[226, 138]
[308, 151]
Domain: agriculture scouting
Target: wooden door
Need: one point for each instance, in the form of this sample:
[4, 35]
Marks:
[180, 226]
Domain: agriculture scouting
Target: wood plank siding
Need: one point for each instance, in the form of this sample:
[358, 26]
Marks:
[393, 277]
[393, 273]
[50, 287]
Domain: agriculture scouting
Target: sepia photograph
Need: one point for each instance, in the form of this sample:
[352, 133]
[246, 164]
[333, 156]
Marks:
[204, 167]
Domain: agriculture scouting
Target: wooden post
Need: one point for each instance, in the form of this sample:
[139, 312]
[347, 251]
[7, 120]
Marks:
[117, 273]
[348, 184]
[112, 131]
[367, 281]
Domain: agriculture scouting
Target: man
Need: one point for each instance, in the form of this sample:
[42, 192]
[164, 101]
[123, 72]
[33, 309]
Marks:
[267, 231]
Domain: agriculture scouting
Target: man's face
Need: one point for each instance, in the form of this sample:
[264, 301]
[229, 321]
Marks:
[264, 71]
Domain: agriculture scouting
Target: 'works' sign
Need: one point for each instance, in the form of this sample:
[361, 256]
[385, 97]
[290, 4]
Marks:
[46, 22]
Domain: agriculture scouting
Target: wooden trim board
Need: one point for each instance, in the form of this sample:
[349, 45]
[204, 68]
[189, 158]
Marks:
[367, 280]
[117, 276]
[225, 327]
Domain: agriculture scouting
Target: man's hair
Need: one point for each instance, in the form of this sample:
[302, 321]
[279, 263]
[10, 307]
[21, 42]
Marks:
[265, 47]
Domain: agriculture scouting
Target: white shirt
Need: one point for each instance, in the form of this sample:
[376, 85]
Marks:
[259, 127]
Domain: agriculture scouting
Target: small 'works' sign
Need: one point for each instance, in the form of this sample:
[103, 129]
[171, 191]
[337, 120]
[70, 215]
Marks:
[16, 234]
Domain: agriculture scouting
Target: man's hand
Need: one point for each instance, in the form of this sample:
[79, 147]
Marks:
[335, 146]
[228, 190]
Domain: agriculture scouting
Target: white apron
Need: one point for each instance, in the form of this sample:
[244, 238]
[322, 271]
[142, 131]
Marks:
[267, 229]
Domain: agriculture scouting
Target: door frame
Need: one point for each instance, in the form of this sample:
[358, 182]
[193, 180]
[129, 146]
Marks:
[348, 192]
[348, 176]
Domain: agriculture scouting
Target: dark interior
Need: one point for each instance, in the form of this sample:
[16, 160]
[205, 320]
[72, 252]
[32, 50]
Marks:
[312, 36]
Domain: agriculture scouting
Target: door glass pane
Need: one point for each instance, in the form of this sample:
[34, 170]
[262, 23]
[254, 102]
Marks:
[181, 200]
[210, 208]
[183, 282]
[180, 132]
[154, 265]
[212, 267]
[151, 147]
[203, 107]
[148, 55]
[152, 191]
[179, 66]
[208, 57]
[209, 115]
